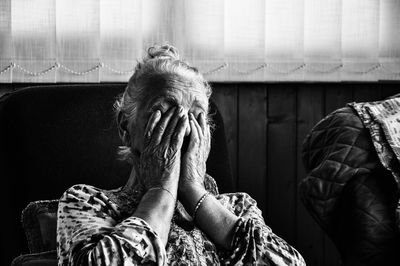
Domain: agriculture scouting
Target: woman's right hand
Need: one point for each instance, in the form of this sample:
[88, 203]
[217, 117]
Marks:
[159, 163]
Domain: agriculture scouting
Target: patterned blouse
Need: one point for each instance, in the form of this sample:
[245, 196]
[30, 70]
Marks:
[96, 227]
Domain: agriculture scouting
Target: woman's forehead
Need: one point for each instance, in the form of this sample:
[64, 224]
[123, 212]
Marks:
[187, 97]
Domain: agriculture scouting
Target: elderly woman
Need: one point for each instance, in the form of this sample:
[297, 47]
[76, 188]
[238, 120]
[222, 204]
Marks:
[169, 211]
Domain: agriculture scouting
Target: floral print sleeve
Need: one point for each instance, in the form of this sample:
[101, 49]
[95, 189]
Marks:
[91, 232]
[254, 243]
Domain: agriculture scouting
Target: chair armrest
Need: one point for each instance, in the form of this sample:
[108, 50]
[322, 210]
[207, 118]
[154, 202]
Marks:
[39, 220]
[48, 258]
[365, 226]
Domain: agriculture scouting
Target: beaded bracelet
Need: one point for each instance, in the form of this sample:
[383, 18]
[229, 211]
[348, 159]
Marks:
[199, 203]
[153, 188]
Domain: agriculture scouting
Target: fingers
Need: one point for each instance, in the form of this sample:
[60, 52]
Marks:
[151, 124]
[198, 127]
[179, 134]
[171, 128]
[194, 134]
[172, 125]
[161, 127]
[202, 122]
[200, 133]
[205, 128]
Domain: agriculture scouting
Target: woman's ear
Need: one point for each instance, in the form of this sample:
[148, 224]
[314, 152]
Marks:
[122, 123]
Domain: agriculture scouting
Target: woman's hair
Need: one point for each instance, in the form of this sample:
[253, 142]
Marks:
[161, 66]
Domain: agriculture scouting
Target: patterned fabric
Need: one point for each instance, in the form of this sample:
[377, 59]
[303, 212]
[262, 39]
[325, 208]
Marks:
[382, 118]
[96, 227]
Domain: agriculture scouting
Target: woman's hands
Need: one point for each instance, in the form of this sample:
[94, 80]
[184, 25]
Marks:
[159, 164]
[159, 167]
[193, 167]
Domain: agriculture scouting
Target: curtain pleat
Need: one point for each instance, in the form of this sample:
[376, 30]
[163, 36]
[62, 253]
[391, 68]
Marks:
[322, 51]
[6, 51]
[78, 40]
[120, 38]
[202, 38]
[284, 39]
[360, 39]
[228, 40]
[34, 39]
[389, 39]
[244, 41]
[158, 22]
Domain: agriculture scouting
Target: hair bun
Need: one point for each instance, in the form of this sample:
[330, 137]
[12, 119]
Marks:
[165, 51]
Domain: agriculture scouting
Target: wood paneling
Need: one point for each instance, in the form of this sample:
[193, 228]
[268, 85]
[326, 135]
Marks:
[366, 92]
[337, 96]
[389, 90]
[225, 96]
[252, 144]
[282, 161]
[310, 110]
[265, 126]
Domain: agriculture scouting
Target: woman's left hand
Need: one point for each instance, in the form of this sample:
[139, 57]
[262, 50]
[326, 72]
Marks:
[193, 165]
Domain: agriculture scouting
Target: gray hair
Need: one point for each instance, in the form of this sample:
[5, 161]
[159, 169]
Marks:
[162, 63]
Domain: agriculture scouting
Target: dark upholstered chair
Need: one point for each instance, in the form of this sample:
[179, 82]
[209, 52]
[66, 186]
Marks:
[52, 137]
[349, 193]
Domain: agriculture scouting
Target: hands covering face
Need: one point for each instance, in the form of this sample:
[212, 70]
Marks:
[193, 166]
[161, 161]
[159, 164]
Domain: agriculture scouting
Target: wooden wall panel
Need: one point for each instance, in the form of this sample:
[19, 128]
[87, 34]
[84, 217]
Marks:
[282, 184]
[252, 143]
[225, 96]
[4, 88]
[309, 236]
[366, 92]
[337, 96]
[389, 90]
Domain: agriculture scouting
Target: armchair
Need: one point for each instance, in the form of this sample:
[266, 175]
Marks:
[349, 193]
[55, 136]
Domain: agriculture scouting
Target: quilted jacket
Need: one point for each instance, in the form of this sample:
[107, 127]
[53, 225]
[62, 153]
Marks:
[347, 191]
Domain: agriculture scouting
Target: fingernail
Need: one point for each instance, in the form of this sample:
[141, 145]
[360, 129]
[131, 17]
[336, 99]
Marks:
[187, 132]
[180, 111]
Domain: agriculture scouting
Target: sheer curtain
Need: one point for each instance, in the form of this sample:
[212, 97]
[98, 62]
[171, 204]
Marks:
[231, 40]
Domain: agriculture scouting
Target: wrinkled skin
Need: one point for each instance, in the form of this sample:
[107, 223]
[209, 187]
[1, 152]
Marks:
[193, 168]
[192, 164]
[161, 165]
[161, 157]
[160, 160]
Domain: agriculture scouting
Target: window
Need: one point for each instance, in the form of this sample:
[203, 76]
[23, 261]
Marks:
[231, 40]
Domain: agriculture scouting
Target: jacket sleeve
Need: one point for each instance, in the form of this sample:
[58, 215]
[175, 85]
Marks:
[89, 232]
[254, 243]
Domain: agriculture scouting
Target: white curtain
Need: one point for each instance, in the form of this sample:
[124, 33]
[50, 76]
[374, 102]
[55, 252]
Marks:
[228, 40]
